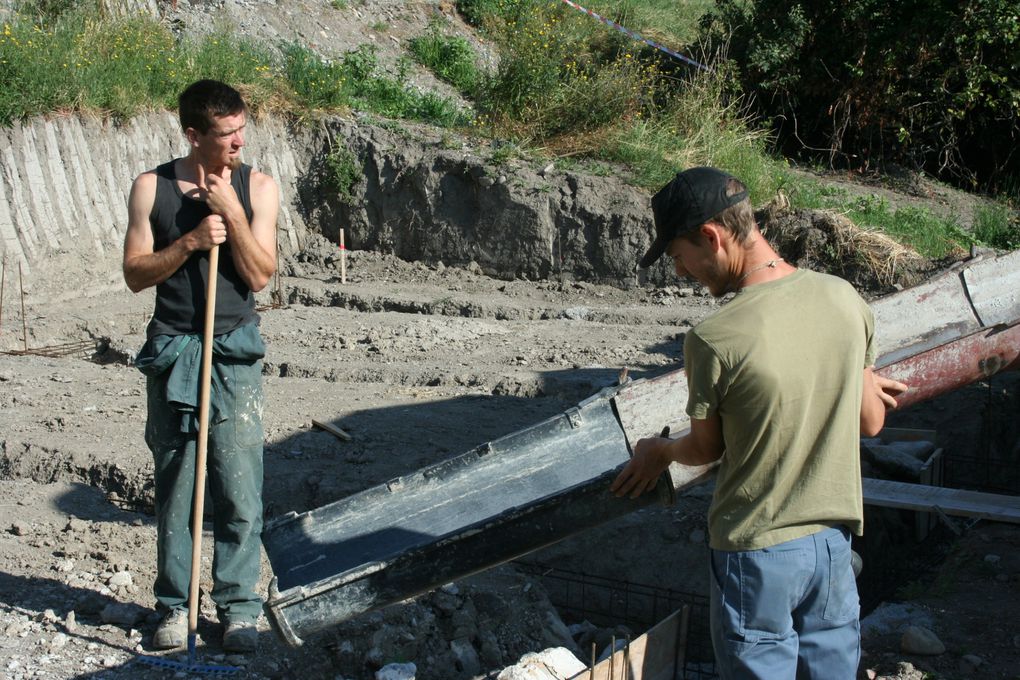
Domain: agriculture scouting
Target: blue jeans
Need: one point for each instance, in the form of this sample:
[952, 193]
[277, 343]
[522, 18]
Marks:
[787, 611]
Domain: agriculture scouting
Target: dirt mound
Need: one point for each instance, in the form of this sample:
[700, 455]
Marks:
[827, 241]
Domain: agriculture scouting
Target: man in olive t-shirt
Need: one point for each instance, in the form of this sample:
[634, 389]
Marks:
[780, 389]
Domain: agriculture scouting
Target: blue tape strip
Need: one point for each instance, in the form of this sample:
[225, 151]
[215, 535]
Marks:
[635, 36]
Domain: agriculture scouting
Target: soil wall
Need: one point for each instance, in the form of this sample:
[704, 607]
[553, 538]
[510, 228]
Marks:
[65, 184]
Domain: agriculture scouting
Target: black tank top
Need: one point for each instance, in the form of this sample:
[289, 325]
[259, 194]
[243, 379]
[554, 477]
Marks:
[180, 300]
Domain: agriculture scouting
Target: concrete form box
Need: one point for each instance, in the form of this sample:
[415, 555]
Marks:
[931, 474]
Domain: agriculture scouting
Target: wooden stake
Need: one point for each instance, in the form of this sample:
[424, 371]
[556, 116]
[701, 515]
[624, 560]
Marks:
[591, 675]
[24, 324]
[343, 259]
[333, 430]
[3, 273]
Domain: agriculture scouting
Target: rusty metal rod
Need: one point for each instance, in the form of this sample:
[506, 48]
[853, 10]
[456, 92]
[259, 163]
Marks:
[591, 673]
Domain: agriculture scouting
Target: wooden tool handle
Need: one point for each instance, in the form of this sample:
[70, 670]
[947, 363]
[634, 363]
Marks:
[198, 499]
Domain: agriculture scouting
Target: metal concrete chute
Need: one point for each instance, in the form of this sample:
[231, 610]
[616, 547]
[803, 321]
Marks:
[541, 484]
[957, 328]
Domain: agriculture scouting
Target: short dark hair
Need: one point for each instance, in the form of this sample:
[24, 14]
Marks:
[204, 100]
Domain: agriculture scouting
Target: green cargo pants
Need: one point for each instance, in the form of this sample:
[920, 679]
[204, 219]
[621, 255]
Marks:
[234, 468]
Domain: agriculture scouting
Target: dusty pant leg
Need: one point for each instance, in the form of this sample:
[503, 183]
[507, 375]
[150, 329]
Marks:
[235, 484]
[173, 454]
[752, 596]
[828, 620]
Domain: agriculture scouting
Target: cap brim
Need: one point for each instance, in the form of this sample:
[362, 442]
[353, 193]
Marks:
[654, 253]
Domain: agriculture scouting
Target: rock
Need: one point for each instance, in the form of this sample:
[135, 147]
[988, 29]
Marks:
[397, 671]
[918, 640]
[992, 559]
[445, 602]
[90, 603]
[122, 614]
[20, 528]
[549, 664]
[121, 579]
[969, 663]
[891, 617]
[465, 657]
[575, 313]
[697, 536]
[76, 525]
[488, 650]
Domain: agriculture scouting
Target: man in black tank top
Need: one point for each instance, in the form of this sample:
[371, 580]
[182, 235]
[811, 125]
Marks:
[176, 214]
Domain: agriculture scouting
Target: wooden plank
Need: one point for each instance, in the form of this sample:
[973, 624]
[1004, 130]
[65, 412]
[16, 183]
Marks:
[652, 656]
[958, 502]
[333, 430]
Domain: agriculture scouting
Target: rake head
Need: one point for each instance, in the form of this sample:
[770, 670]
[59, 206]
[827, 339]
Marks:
[189, 666]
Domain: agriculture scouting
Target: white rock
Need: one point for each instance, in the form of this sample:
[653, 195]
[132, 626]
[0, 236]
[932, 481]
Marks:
[556, 663]
[396, 671]
[121, 579]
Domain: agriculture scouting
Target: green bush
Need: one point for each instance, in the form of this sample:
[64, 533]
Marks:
[931, 84]
[343, 172]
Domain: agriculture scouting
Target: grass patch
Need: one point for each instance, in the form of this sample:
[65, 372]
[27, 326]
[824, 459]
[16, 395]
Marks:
[354, 82]
[673, 23]
[931, 235]
[995, 227]
[451, 58]
[79, 62]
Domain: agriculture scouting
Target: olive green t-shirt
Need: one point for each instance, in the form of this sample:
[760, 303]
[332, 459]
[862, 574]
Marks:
[782, 365]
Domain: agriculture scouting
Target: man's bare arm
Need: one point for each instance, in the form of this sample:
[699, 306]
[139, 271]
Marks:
[702, 445]
[252, 244]
[878, 395]
[143, 267]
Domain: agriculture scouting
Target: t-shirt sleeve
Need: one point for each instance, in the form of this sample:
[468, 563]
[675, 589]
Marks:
[704, 371]
[869, 326]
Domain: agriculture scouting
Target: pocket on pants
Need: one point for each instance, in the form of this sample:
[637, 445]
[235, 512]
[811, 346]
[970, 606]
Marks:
[841, 602]
[759, 590]
[248, 405]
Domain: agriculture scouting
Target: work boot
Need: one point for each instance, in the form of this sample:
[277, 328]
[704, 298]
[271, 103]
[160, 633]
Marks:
[240, 637]
[172, 631]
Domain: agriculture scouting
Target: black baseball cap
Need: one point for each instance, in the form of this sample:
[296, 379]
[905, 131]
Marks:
[692, 198]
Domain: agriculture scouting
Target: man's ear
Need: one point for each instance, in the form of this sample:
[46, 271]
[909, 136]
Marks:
[192, 135]
[712, 233]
